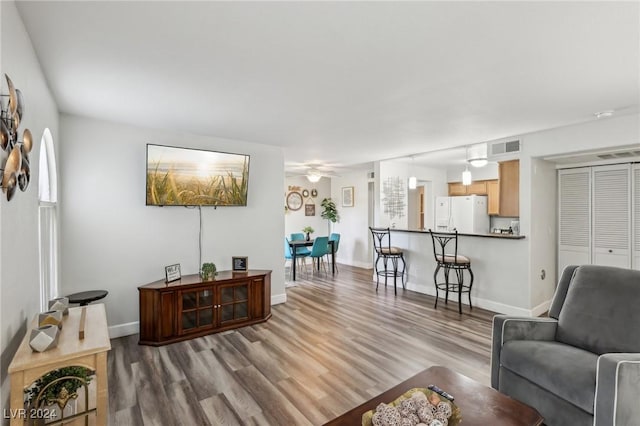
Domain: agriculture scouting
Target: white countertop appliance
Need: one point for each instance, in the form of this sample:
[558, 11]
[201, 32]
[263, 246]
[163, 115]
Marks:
[467, 213]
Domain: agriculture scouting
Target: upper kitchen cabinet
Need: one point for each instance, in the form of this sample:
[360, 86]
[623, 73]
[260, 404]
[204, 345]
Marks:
[477, 187]
[493, 197]
[509, 181]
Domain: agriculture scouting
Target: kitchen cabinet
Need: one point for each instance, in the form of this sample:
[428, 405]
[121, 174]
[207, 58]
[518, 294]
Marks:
[509, 180]
[477, 187]
[191, 307]
[493, 197]
[457, 188]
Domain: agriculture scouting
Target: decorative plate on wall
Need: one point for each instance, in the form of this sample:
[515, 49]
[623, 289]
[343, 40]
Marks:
[305, 193]
[294, 201]
[314, 193]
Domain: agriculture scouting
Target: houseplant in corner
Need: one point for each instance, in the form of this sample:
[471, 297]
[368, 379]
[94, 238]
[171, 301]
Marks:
[308, 230]
[208, 271]
[329, 212]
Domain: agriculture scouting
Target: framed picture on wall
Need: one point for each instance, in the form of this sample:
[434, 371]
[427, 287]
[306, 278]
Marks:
[347, 196]
[309, 209]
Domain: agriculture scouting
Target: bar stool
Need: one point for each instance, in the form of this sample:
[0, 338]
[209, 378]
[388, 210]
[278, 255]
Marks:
[386, 252]
[448, 261]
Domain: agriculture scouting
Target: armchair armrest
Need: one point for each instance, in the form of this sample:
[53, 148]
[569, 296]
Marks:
[617, 390]
[506, 328]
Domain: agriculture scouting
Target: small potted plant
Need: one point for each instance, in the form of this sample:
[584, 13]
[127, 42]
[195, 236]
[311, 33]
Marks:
[208, 271]
[308, 230]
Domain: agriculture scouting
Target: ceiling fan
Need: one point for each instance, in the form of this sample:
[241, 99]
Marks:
[312, 170]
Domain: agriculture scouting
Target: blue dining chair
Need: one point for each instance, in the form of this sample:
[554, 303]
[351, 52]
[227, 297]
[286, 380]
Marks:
[336, 244]
[299, 236]
[288, 255]
[320, 249]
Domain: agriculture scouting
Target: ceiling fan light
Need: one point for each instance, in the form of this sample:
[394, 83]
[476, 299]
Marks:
[313, 177]
[478, 162]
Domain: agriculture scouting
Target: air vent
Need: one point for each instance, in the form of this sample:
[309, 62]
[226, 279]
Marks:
[502, 148]
[623, 154]
[606, 156]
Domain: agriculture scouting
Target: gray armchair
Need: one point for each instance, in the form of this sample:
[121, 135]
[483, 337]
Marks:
[581, 365]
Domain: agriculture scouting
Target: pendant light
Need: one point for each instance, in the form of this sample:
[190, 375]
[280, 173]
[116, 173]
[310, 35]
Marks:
[466, 175]
[413, 181]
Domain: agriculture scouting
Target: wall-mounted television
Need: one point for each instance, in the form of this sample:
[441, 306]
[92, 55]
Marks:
[195, 177]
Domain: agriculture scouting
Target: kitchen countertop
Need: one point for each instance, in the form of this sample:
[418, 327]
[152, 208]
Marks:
[502, 236]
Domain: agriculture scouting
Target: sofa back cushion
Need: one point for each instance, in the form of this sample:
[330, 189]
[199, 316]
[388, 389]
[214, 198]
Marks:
[601, 310]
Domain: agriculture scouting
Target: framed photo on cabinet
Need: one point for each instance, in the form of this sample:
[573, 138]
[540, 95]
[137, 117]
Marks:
[172, 273]
[239, 263]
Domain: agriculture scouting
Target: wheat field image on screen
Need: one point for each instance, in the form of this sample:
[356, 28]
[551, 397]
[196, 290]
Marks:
[177, 176]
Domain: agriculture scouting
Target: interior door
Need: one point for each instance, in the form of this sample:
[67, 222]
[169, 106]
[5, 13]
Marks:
[612, 216]
[574, 202]
[635, 191]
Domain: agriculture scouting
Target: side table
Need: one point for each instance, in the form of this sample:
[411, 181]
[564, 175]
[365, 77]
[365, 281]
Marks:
[86, 297]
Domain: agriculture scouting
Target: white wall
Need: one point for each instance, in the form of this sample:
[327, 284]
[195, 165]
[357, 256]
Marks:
[543, 231]
[490, 171]
[596, 134]
[294, 221]
[402, 169]
[112, 241]
[499, 268]
[352, 226]
[19, 273]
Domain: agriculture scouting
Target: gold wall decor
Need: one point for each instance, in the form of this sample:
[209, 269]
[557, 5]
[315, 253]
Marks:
[16, 171]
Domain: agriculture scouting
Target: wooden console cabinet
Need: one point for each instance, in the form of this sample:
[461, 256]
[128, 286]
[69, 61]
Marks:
[191, 307]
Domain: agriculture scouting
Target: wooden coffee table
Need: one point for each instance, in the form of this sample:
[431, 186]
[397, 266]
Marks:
[479, 405]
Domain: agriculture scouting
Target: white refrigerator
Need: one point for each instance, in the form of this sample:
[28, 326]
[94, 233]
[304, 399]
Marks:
[467, 213]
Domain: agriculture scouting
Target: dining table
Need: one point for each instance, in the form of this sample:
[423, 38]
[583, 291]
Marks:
[294, 244]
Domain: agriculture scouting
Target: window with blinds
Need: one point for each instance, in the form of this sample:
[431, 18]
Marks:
[575, 206]
[611, 208]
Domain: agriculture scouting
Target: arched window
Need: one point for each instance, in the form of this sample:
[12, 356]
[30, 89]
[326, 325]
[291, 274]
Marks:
[48, 196]
[48, 181]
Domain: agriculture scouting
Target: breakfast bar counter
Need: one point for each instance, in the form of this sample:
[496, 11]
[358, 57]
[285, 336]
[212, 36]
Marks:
[490, 235]
[499, 263]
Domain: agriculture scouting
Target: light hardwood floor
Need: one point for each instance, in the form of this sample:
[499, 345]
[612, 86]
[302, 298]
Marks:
[332, 346]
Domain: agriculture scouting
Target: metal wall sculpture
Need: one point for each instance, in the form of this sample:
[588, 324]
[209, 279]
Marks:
[16, 171]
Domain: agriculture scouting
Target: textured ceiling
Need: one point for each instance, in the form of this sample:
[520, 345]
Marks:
[341, 83]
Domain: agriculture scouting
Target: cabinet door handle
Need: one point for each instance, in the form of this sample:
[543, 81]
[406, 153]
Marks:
[610, 251]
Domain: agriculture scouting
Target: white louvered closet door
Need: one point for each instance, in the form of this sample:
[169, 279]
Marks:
[574, 201]
[611, 216]
[635, 173]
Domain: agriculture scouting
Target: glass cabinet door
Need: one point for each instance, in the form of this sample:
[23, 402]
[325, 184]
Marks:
[196, 311]
[234, 302]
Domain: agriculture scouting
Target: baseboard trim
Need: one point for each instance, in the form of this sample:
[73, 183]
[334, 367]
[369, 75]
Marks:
[127, 329]
[356, 263]
[279, 298]
[541, 308]
[489, 305]
[122, 330]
